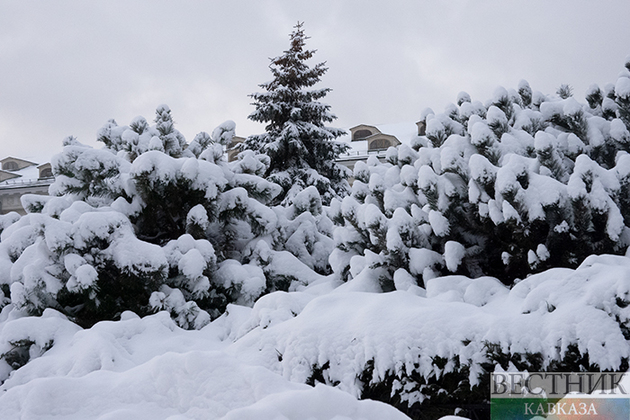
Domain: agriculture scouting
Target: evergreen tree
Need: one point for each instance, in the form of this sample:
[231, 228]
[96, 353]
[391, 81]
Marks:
[302, 149]
[622, 95]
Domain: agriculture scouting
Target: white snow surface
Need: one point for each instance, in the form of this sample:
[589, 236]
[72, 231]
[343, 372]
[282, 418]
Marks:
[252, 363]
[150, 369]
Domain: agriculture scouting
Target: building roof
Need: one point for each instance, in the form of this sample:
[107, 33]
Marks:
[22, 162]
[404, 132]
[27, 175]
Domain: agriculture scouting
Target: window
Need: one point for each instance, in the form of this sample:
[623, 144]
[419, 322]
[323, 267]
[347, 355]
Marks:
[10, 166]
[46, 173]
[379, 144]
[361, 134]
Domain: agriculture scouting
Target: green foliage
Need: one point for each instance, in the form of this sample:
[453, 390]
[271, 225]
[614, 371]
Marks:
[301, 148]
[522, 188]
[564, 91]
[142, 224]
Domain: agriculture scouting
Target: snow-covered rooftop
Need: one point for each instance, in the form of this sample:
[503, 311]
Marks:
[28, 175]
[404, 132]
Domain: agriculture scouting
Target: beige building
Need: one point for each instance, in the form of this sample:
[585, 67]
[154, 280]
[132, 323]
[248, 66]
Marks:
[232, 149]
[374, 140]
[19, 177]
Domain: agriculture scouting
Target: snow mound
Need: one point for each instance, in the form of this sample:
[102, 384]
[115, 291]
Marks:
[151, 369]
[319, 403]
[400, 332]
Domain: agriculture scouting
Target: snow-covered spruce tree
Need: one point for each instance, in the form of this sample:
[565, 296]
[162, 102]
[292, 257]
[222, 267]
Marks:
[301, 148]
[145, 223]
[514, 186]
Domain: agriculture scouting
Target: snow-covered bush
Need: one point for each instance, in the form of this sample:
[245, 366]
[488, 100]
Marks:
[518, 185]
[88, 263]
[419, 350]
[149, 223]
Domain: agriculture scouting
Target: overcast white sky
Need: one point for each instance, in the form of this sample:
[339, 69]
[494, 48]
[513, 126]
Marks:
[67, 66]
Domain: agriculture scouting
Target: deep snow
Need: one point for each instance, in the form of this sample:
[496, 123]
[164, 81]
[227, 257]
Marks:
[252, 363]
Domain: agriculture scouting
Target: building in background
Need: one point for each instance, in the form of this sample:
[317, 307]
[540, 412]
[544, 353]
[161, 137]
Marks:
[374, 140]
[19, 177]
[232, 149]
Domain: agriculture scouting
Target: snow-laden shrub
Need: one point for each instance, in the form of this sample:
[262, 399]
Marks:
[87, 263]
[150, 223]
[23, 339]
[426, 348]
[8, 219]
[531, 182]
